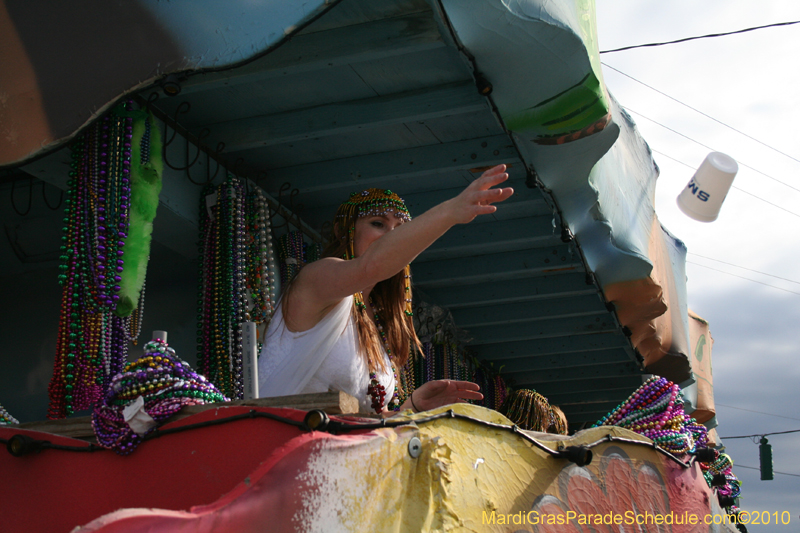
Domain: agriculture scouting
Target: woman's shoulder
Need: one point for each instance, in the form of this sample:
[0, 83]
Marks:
[336, 313]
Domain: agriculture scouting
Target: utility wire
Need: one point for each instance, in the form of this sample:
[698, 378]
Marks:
[685, 39]
[742, 277]
[751, 270]
[708, 147]
[732, 186]
[774, 471]
[763, 434]
[704, 114]
[751, 411]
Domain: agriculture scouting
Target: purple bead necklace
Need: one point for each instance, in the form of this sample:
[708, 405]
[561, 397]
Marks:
[655, 410]
[164, 381]
[222, 300]
[91, 344]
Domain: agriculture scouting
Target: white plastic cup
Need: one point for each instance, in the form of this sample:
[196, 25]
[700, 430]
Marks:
[703, 196]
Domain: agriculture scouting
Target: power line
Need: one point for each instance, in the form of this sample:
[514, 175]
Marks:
[751, 270]
[742, 277]
[707, 36]
[732, 186]
[751, 411]
[763, 434]
[708, 147]
[774, 471]
[702, 113]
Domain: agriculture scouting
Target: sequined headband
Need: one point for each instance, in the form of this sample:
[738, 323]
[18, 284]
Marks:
[374, 202]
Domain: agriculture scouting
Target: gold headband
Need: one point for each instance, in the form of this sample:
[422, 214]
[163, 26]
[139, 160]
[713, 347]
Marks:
[371, 202]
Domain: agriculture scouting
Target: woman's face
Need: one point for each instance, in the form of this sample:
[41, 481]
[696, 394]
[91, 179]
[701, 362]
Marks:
[371, 228]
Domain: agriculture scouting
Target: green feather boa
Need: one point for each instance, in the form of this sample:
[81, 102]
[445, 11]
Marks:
[145, 188]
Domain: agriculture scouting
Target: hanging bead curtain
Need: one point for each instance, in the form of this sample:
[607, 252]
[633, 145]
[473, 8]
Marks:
[92, 338]
[655, 410]
[443, 359]
[237, 272]
[260, 260]
[292, 253]
[222, 298]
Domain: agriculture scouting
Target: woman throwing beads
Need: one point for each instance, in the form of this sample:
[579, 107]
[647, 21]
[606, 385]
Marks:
[345, 321]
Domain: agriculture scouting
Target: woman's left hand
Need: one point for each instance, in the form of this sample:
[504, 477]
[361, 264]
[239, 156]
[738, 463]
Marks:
[441, 392]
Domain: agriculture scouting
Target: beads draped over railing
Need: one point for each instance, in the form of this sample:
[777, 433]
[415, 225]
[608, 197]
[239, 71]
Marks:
[655, 410]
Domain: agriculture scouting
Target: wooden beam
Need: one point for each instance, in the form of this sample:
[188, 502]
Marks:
[344, 117]
[559, 351]
[333, 48]
[524, 203]
[564, 376]
[401, 169]
[520, 290]
[578, 397]
[494, 237]
[587, 386]
[333, 403]
[587, 411]
[556, 364]
[497, 267]
[500, 314]
[542, 329]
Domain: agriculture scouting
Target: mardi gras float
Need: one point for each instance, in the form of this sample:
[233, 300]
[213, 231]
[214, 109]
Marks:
[198, 153]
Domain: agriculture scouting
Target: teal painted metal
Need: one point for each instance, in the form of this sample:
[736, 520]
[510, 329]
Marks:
[134, 45]
[218, 34]
[344, 117]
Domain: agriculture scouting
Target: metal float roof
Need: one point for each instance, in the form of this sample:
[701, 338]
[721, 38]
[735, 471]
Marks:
[376, 94]
[420, 97]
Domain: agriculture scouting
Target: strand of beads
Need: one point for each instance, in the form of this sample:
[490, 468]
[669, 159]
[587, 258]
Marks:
[313, 252]
[528, 409]
[655, 410]
[96, 224]
[164, 381]
[5, 418]
[408, 376]
[446, 360]
[222, 301]
[291, 250]
[132, 325]
[723, 465]
[238, 280]
[261, 260]
[375, 390]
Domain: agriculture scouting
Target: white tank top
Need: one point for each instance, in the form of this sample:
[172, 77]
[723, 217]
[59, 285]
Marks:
[316, 360]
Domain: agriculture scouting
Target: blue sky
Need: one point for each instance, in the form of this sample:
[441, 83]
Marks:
[751, 82]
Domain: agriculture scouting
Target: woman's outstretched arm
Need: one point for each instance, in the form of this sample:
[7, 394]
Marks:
[322, 284]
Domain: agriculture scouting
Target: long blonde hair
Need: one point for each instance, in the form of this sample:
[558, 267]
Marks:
[391, 297]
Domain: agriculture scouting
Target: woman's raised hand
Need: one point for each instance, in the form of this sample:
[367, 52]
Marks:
[478, 197]
[441, 392]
